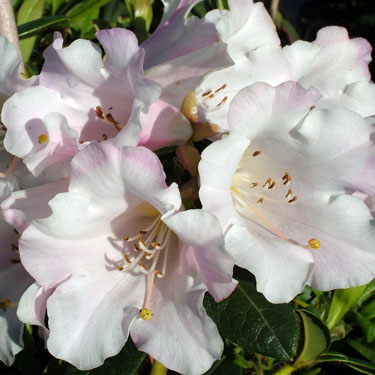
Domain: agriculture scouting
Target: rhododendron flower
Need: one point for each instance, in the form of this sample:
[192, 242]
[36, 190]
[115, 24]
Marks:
[334, 64]
[279, 186]
[123, 258]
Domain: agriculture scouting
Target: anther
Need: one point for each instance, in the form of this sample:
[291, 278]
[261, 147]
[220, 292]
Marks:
[256, 153]
[211, 96]
[126, 256]
[158, 273]
[99, 112]
[222, 102]
[142, 231]
[293, 199]
[268, 182]
[136, 247]
[272, 185]
[155, 244]
[5, 304]
[15, 261]
[120, 268]
[253, 185]
[104, 137]
[43, 138]
[260, 200]
[140, 263]
[221, 88]
[286, 178]
[314, 244]
[126, 238]
[289, 193]
[145, 314]
[207, 93]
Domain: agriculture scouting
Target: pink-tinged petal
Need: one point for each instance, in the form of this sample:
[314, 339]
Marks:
[10, 81]
[281, 269]
[180, 328]
[183, 74]
[181, 35]
[88, 324]
[216, 92]
[13, 282]
[331, 62]
[358, 97]
[32, 307]
[205, 250]
[164, 125]
[23, 206]
[347, 256]
[218, 164]
[247, 26]
[261, 110]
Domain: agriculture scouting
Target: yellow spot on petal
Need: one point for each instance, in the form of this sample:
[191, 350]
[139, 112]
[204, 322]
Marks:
[145, 314]
[43, 138]
[314, 244]
[148, 210]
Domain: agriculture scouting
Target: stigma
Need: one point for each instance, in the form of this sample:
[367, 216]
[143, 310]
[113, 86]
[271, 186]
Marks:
[145, 314]
[43, 138]
[314, 244]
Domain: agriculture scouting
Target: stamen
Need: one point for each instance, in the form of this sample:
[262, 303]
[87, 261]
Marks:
[314, 244]
[126, 256]
[293, 199]
[289, 193]
[272, 185]
[43, 138]
[256, 153]
[207, 93]
[15, 261]
[286, 178]
[108, 118]
[222, 102]
[260, 200]
[268, 182]
[253, 185]
[120, 268]
[221, 88]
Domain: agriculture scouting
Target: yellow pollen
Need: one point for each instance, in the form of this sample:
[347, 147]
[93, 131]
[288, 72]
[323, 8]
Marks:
[314, 244]
[43, 138]
[145, 314]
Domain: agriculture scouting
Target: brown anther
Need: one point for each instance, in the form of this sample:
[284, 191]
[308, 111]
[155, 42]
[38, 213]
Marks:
[207, 93]
[222, 102]
[293, 199]
[99, 112]
[312, 107]
[155, 244]
[211, 96]
[111, 119]
[14, 247]
[110, 108]
[256, 153]
[289, 193]
[16, 231]
[157, 272]
[136, 247]
[286, 178]
[141, 264]
[253, 185]
[272, 185]
[81, 142]
[120, 268]
[104, 136]
[5, 303]
[268, 182]
[221, 88]
[126, 256]
[260, 200]
[126, 238]
[140, 240]
[142, 231]
[146, 254]
[14, 261]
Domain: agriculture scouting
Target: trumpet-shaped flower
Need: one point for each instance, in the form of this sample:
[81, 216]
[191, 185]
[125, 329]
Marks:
[123, 258]
[279, 186]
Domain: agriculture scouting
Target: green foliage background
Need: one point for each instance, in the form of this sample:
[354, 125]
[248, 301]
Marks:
[318, 333]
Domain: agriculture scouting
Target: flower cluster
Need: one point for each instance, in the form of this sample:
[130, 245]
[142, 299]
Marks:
[94, 238]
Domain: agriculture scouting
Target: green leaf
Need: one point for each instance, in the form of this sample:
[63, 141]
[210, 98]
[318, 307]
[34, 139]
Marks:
[368, 351]
[315, 338]
[30, 10]
[249, 320]
[33, 27]
[143, 11]
[363, 367]
[126, 362]
[343, 300]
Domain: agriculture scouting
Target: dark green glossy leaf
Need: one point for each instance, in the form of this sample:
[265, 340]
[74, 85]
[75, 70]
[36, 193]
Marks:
[343, 300]
[315, 338]
[33, 27]
[367, 350]
[249, 320]
[224, 367]
[30, 10]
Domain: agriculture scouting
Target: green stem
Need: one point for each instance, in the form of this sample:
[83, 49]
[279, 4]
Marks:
[220, 4]
[158, 368]
[286, 370]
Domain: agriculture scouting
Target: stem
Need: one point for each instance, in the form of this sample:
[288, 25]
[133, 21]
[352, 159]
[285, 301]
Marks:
[274, 8]
[286, 370]
[8, 28]
[158, 368]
